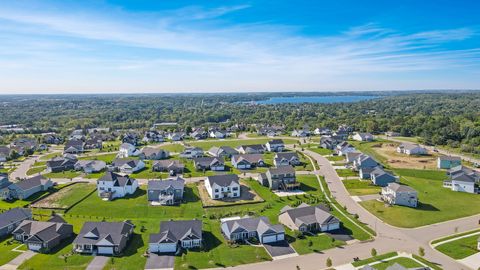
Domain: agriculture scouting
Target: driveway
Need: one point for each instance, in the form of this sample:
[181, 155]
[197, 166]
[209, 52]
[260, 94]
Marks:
[279, 250]
[13, 264]
[157, 262]
[97, 263]
[340, 234]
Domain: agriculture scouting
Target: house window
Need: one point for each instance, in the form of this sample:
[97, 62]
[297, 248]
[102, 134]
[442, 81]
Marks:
[216, 190]
[216, 196]
[235, 188]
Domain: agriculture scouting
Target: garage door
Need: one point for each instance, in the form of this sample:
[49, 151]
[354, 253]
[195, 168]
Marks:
[280, 237]
[171, 247]
[269, 239]
[105, 250]
[34, 247]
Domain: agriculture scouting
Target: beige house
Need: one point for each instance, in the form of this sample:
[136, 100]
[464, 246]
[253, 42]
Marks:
[306, 218]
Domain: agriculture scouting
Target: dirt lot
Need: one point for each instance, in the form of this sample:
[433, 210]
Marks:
[247, 196]
[397, 160]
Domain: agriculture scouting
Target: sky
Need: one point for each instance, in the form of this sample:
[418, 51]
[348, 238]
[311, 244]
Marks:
[163, 46]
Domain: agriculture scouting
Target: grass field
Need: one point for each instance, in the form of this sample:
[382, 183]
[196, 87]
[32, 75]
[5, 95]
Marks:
[317, 243]
[374, 259]
[50, 156]
[66, 197]
[336, 158]
[321, 151]
[6, 246]
[403, 261]
[108, 158]
[436, 204]
[360, 187]
[173, 148]
[35, 170]
[460, 248]
[454, 236]
[64, 174]
[346, 173]
[205, 145]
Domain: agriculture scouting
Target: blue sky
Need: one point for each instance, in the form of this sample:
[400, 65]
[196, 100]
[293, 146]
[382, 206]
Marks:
[226, 46]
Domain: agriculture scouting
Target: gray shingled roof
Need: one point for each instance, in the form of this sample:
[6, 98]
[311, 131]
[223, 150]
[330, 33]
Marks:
[109, 233]
[14, 215]
[119, 180]
[223, 180]
[400, 188]
[451, 158]
[282, 170]
[251, 158]
[39, 229]
[178, 183]
[174, 231]
[258, 224]
[287, 155]
[32, 182]
[306, 214]
[125, 161]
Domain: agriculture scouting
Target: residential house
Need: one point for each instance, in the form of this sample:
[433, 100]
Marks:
[251, 149]
[4, 184]
[306, 218]
[411, 149]
[127, 165]
[5, 153]
[90, 166]
[364, 161]
[223, 186]
[52, 139]
[130, 138]
[448, 162]
[248, 161]
[10, 219]
[165, 192]
[362, 137]
[73, 147]
[382, 178]
[172, 166]
[343, 148]
[77, 134]
[279, 178]
[112, 185]
[199, 134]
[392, 134]
[23, 189]
[287, 158]
[175, 136]
[463, 179]
[176, 234]
[329, 142]
[322, 131]
[103, 238]
[300, 133]
[222, 151]
[350, 157]
[28, 144]
[272, 131]
[275, 145]
[42, 236]
[192, 152]
[241, 229]
[128, 150]
[154, 153]
[209, 163]
[218, 134]
[397, 194]
[153, 136]
[60, 164]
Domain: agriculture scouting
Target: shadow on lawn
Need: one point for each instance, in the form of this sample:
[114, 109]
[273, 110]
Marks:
[210, 241]
[138, 193]
[426, 207]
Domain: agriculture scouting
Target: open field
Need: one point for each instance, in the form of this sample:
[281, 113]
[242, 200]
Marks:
[66, 197]
[346, 173]
[205, 145]
[435, 202]
[35, 170]
[321, 151]
[314, 243]
[397, 160]
[460, 248]
[108, 158]
[374, 259]
[64, 174]
[361, 187]
[453, 236]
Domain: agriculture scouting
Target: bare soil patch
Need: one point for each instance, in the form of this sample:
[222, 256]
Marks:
[247, 196]
[397, 160]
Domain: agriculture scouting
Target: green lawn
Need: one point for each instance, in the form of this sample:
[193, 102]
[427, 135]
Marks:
[173, 148]
[205, 145]
[35, 170]
[454, 236]
[460, 248]
[437, 204]
[67, 196]
[6, 246]
[336, 158]
[366, 148]
[309, 184]
[309, 244]
[346, 173]
[108, 158]
[6, 205]
[50, 156]
[403, 261]
[374, 259]
[361, 187]
[64, 174]
[321, 151]
[408, 139]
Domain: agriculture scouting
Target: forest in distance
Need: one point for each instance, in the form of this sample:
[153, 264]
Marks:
[448, 118]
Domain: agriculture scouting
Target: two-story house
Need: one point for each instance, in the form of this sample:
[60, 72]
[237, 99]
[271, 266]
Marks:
[280, 178]
[223, 186]
[286, 158]
[275, 145]
[112, 185]
[165, 192]
[397, 194]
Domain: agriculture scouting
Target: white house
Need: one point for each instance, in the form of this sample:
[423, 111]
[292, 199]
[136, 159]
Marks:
[411, 149]
[192, 152]
[363, 137]
[128, 166]
[128, 150]
[462, 183]
[275, 145]
[113, 185]
[223, 186]
[398, 194]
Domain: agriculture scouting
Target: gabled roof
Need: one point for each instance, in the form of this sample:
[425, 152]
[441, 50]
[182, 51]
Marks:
[13, 216]
[132, 163]
[250, 158]
[208, 161]
[216, 151]
[119, 180]
[178, 183]
[148, 151]
[400, 188]
[255, 147]
[112, 232]
[450, 158]
[276, 141]
[286, 155]
[259, 224]
[174, 231]
[38, 180]
[282, 170]
[168, 163]
[40, 230]
[223, 180]
[306, 214]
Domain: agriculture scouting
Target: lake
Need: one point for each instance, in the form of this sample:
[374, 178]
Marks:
[314, 99]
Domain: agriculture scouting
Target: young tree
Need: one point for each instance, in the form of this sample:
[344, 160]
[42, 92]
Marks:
[373, 252]
[421, 251]
[329, 262]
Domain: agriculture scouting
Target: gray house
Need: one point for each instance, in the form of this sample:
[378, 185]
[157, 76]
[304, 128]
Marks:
[222, 151]
[285, 159]
[176, 234]
[73, 147]
[171, 166]
[105, 238]
[209, 163]
[9, 220]
[279, 178]
[60, 164]
[382, 178]
[4, 184]
[154, 153]
[90, 166]
[248, 161]
[251, 149]
[166, 192]
[42, 236]
[240, 229]
[26, 188]
[306, 218]
[364, 161]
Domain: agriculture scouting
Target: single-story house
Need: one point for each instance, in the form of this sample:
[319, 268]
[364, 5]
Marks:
[154, 153]
[90, 166]
[165, 192]
[285, 159]
[411, 149]
[251, 149]
[103, 238]
[222, 151]
[306, 218]
[362, 137]
[112, 185]
[23, 189]
[252, 227]
[4, 184]
[60, 164]
[275, 145]
[73, 147]
[128, 166]
[128, 150]
[153, 136]
[209, 163]
[397, 194]
[248, 161]
[192, 152]
[93, 143]
[176, 234]
[172, 166]
[223, 186]
[300, 133]
[10, 219]
[448, 162]
[219, 134]
[42, 236]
